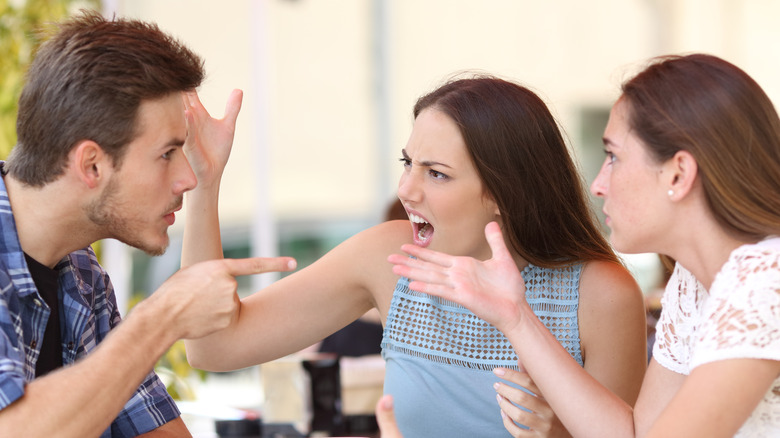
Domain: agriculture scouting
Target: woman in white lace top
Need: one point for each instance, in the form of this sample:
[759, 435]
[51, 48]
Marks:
[692, 172]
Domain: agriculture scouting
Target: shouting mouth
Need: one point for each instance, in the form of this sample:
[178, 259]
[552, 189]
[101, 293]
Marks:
[422, 230]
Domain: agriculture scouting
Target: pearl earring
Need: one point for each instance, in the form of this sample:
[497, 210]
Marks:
[670, 192]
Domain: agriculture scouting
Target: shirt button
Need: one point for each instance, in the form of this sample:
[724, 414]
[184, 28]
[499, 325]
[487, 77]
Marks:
[70, 345]
[37, 302]
[33, 344]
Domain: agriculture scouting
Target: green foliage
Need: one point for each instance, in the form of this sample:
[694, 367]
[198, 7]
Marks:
[22, 26]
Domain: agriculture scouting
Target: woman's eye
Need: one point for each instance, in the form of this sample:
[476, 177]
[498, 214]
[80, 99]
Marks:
[438, 175]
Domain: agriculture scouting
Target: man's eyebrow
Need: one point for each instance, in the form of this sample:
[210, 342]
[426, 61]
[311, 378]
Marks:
[426, 163]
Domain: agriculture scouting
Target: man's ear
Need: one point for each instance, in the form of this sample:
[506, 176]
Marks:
[90, 163]
[683, 170]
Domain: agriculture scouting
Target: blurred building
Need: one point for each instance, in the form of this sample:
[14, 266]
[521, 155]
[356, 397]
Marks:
[329, 87]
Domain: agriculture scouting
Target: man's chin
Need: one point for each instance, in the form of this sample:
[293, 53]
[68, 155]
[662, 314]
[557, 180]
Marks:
[150, 249]
[154, 252]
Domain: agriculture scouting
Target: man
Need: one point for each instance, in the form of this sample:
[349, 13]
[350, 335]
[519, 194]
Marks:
[101, 133]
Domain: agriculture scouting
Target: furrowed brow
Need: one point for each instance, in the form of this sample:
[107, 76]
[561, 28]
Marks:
[426, 163]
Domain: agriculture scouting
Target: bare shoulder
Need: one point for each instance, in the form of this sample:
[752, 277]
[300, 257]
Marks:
[364, 250]
[380, 240]
[611, 311]
[367, 252]
[609, 287]
[613, 328]
[393, 233]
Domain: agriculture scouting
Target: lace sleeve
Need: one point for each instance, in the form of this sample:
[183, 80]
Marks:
[678, 321]
[742, 317]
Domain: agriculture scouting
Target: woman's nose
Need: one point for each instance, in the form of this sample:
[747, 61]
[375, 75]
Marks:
[598, 187]
[408, 187]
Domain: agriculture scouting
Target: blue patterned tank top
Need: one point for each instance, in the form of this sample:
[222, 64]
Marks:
[440, 356]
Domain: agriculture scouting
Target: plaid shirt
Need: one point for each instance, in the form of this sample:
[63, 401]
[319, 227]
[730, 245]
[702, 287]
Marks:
[88, 312]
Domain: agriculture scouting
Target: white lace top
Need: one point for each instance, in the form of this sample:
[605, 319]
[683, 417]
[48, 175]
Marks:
[738, 318]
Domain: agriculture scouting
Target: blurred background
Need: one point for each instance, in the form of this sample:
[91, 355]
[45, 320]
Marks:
[329, 88]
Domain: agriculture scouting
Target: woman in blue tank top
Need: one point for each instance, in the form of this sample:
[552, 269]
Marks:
[481, 150]
[692, 172]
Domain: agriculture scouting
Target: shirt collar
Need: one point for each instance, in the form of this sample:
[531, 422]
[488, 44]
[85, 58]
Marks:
[11, 255]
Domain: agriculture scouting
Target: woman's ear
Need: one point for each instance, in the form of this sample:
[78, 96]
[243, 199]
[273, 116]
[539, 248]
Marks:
[683, 169]
[492, 205]
[89, 163]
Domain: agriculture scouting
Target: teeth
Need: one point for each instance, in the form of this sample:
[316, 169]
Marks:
[417, 219]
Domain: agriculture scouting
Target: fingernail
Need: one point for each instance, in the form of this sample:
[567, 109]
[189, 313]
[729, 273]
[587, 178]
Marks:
[498, 398]
[496, 385]
[499, 371]
[503, 414]
[292, 264]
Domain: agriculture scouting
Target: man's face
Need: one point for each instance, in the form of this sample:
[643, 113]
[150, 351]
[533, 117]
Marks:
[138, 203]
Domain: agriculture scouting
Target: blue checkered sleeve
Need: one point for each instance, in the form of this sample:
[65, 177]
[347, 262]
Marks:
[150, 406]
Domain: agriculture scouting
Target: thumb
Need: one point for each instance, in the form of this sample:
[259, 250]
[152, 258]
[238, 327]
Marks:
[233, 106]
[496, 241]
[259, 265]
[385, 417]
